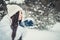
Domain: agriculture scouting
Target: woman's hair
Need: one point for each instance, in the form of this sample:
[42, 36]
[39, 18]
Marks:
[14, 24]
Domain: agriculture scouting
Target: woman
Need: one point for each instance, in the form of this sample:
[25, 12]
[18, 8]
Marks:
[13, 18]
[16, 17]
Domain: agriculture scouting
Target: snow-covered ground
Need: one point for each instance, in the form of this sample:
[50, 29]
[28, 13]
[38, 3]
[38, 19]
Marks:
[52, 34]
[41, 35]
[29, 34]
[56, 27]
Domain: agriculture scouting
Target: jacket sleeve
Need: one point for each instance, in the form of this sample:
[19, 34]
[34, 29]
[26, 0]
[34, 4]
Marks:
[5, 30]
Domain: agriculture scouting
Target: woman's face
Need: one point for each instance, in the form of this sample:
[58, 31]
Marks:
[20, 15]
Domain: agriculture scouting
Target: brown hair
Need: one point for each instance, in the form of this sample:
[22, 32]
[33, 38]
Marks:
[14, 24]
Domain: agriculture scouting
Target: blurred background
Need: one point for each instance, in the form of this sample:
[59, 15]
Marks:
[45, 12]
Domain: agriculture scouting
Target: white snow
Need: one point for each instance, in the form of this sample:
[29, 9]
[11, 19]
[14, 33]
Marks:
[33, 34]
[17, 1]
[28, 34]
[52, 34]
[56, 27]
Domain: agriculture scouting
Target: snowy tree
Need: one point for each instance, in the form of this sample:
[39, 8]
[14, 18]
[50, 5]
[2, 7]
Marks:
[43, 15]
[3, 9]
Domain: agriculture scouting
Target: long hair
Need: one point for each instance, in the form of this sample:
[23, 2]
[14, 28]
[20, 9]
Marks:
[14, 24]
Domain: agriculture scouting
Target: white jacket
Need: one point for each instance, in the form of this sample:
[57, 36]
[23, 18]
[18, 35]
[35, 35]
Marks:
[5, 30]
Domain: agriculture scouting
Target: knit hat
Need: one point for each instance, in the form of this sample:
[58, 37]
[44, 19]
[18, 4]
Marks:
[12, 9]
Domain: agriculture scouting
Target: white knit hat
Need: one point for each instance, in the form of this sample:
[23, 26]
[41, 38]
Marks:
[12, 9]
